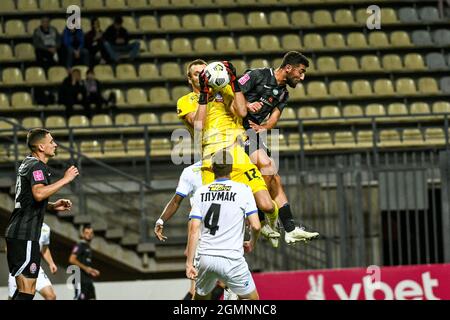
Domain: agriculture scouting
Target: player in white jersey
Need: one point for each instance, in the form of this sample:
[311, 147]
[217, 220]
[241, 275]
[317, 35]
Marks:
[220, 210]
[43, 284]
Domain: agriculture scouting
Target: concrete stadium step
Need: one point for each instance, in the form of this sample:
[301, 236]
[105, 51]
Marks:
[170, 252]
[115, 234]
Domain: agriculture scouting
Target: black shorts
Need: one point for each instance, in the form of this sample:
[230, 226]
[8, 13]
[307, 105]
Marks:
[87, 291]
[255, 142]
[24, 257]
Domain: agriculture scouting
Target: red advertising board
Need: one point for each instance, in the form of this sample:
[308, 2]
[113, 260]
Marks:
[419, 282]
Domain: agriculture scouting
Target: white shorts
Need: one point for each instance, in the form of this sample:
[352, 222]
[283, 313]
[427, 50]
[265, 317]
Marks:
[41, 282]
[234, 273]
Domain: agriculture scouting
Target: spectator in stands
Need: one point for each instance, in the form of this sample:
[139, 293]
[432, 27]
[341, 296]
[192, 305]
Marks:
[73, 92]
[73, 44]
[117, 41]
[94, 43]
[47, 42]
[94, 93]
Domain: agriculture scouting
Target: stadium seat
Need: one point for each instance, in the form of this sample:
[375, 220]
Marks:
[78, 121]
[12, 76]
[300, 18]
[269, 43]
[7, 6]
[378, 39]
[429, 14]
[171, 70]
[35, 75]
[105, 22]
[344, 17]
[15, 28]
[339, 88]
[170, 22]
[55, 122]
[120, 98]
[214, 21]
[313, 41]
[136, 147]
[322, 18]
[125, 119]
[114, 148]
[225, 3]
[276, 62]
[352, 110]
[191, 22]
[32, 25]
[316, 89]
[27, 5]
[445, 84]
[130, 24]
[126, 72]
[24, 52]
[148, 118]
[294, 141]
[400, 39]
[137, 97]
[442, 37]
[248, 44]
[267, 2]
[159, 95]
[436, 61]
[361, 16]
[330, 112]
[375, 109]
[204, 45]
[414, 61]
[361, 88]
[434, 136]
[307, 113]
[235, 20]
[115, 4]
[405, 86]
[244, 3]
[392, 62]
[344, 140]
[159, 3]
[181, 3]
[428, 85]
[104, 72]
[101, 120]
[397, 109]
[357, 40]
[389, 138]
[67, 3]
[226, 44]
[4, 102]
[160, 147]
[412, 137]
[169, 118]
[59, 24]
[321, 140]
[383, 87]
[137, 4]
[388, 15]
[408, 15]
[148, 23]
[159, 47]
[6, 52]
[421, 38]
[32, 122]
[179, 91]
[348, 64]
[334, 41]
[290, 42]
[419, 108]
[181, 46]
[240, 66]
[259, 63]
[326, 64]
[57, 74]
[92, 148]
[441, 107]
[297, 93]
[93, 4]
[364, 139]
[257, 20]
[279, 19]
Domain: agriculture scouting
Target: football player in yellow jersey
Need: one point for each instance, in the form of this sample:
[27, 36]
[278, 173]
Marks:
[221, 128]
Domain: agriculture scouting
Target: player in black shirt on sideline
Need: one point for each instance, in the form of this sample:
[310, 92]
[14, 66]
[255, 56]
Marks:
[267, 95]
[33, 189]
[82, 257]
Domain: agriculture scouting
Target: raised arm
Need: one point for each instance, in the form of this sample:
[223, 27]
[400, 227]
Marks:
[42, 191]
[170, 209]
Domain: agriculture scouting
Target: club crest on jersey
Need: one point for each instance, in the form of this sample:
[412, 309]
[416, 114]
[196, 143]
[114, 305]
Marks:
[218, 97]
[38, 175]
[219, 187]
[33, 268]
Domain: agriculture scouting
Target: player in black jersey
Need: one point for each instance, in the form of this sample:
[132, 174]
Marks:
[267, 95]
[82, 257]
[33, 189]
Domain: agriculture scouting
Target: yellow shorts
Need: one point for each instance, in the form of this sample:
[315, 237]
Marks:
[244, 170]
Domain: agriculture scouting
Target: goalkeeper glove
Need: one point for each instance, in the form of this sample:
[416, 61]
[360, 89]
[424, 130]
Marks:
[233, 77]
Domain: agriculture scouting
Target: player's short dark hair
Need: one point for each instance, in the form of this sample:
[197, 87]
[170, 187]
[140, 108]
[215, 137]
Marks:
[194, 63]
[294, 58]
[34, 136]
[222, 163]
[118, 20]
[86, 226]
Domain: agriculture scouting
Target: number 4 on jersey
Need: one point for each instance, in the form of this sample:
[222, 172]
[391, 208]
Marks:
[212, 218]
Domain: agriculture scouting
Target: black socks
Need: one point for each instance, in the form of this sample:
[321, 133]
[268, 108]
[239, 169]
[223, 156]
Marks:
[285, 215]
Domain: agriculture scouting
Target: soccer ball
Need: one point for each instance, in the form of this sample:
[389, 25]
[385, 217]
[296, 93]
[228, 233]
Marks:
[217, 75]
